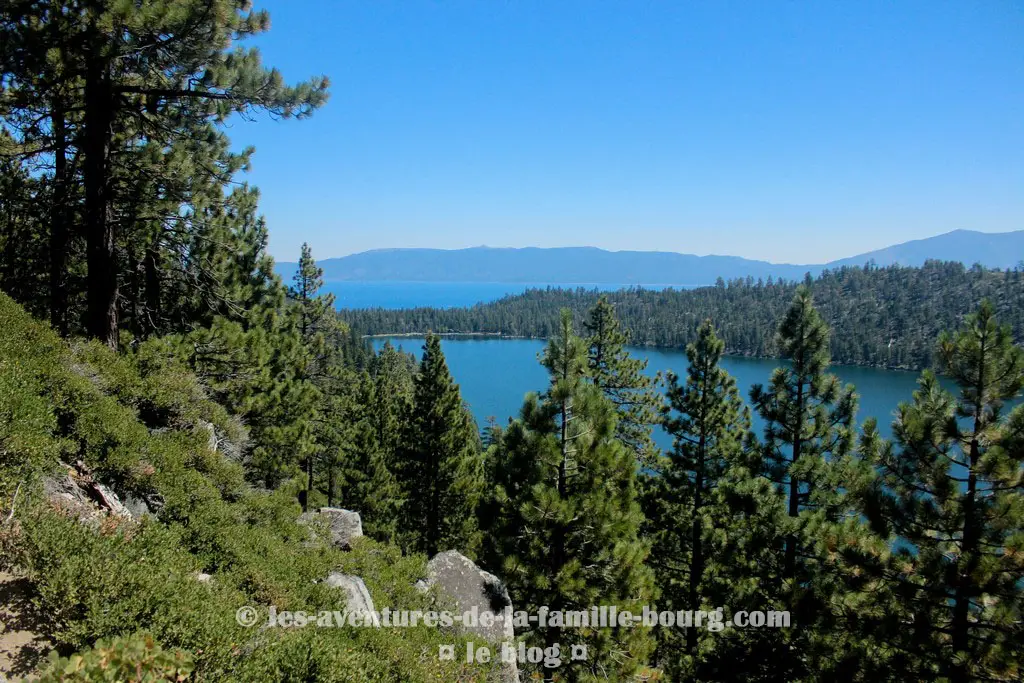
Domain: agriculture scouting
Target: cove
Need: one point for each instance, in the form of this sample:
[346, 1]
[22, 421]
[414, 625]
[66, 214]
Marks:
[495, 374]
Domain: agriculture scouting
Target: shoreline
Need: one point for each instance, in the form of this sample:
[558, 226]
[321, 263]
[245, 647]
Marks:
[727, 353]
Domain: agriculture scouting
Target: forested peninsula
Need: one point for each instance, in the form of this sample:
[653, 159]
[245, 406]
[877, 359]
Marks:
[881, 317]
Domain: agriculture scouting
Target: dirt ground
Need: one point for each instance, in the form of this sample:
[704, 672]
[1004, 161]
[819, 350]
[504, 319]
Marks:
[22, 650]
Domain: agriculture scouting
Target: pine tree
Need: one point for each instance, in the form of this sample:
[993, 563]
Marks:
[565, 515]
[441, 472]
[621, 378]
[392, 372]
[807, 454]
[949, 503]
[808, 421]
[316, 311]
[122, 83]
[320, 330]
[710, 428]
[364, 466]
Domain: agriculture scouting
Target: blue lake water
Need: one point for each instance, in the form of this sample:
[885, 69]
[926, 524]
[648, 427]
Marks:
[386, 294]
[495, 374]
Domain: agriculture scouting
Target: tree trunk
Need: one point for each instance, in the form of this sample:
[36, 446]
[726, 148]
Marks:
[309, 478]
[330, 484]
[697, 562]
[59, 222]
[101, 258]
[794, 483]
[152, 309]
[965, 590]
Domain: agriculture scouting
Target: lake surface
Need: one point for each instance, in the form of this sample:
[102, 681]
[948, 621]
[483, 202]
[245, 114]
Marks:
[495, 374]
[387, 294]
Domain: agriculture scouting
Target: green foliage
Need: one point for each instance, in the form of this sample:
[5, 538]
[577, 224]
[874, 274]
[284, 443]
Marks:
[702, 480]
[948, 506]
[564, 518]
[127, 102]
[806, 453]
[884, 317]
[441, 471]
[621, 378]
[808, 421]
[138, 659]
[133, 420]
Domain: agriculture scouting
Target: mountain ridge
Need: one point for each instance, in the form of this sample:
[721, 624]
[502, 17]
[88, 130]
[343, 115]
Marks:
[593, 265]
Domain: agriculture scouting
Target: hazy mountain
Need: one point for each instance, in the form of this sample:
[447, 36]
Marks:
[590, 265]
[992, 249]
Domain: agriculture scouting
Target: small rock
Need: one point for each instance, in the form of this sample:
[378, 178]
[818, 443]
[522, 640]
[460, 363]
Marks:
[357, 597]
[203, 577]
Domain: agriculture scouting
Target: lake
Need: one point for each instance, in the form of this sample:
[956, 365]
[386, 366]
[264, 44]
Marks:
[400, 294]
[495, 374]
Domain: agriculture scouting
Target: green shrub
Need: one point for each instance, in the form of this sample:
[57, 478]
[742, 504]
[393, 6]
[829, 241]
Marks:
[122, 592]
[136, 659]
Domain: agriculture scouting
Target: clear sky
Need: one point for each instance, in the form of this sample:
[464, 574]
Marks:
[788, 131]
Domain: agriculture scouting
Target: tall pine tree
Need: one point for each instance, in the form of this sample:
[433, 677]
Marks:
[710, 428]
[949, 502]
[441, 472]
[807, 454]
[120, 86]
[713, 524]
[808, 420]
[564, 531]
[621, 378]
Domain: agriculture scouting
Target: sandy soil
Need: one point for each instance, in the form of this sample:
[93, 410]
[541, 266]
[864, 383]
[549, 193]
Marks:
[22, 649]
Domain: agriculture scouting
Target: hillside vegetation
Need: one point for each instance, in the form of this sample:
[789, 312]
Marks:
[138, 422]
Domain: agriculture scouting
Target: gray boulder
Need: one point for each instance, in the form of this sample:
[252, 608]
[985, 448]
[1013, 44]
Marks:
[344, 525]
[357, 597]
[458, 579]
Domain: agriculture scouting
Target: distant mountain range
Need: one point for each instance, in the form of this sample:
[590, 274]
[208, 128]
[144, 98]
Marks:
[590, 265]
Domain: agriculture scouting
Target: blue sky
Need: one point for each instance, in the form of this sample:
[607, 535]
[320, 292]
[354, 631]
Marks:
[788, 131]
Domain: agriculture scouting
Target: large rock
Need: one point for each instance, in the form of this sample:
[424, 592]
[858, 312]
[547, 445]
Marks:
[344, 525]
[459, 580]
[357, 597]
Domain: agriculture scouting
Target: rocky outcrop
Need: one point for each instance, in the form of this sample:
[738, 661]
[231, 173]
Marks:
[357, 597]
[344, 526]
[77, 493]
[458, 580]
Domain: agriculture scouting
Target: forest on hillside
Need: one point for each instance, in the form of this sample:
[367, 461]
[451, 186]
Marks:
[884, 317]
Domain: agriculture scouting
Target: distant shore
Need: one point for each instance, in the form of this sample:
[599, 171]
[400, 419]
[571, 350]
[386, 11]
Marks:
[497, 335]
[728, 352]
